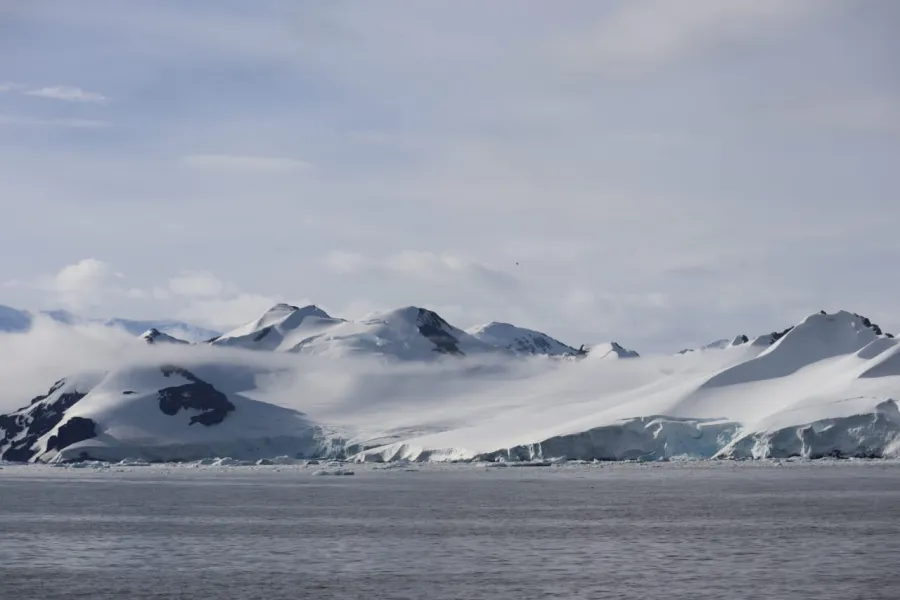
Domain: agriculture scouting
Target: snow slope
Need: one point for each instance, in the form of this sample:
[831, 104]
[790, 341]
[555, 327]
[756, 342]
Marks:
[609, 350]
[151, 413]
[831, 371]
[720, 344]
[827, 386]
[519, 339]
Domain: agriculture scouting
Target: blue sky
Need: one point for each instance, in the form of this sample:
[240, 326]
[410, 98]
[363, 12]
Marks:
[663, 173]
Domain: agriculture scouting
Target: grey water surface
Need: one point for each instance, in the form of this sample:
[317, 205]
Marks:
[693, 531]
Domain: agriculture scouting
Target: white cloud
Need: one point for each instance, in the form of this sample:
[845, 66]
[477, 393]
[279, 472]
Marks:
[11, 86]
[252, 164]
[650, 33]
[478, 145]
[87, 275]
[226, 313]
[425, 267]
[85, 283]
[53, 122]
[67, 93]
[199, 284]
[854, 113]
[31, 362]
[343, 262]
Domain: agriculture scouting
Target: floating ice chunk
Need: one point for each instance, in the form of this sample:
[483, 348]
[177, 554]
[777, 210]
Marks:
[326, 472]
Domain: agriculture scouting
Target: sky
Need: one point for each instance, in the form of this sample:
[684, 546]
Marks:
[661, 174]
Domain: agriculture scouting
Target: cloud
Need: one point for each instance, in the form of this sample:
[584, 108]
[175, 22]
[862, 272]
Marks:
[229, 312]
[11, 86]
[480, 145]
[86, 275]
[86, 283]
[197, 296]
[858, 114]
[203, 298]
[425, 267]
[199, 284]
[66, 93]
[252, 164]
[53, 122]
[650, 33]
[30, 362]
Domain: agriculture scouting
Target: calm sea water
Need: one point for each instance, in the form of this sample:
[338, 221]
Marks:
[660, 531]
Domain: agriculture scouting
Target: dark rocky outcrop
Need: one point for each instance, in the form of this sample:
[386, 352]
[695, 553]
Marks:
[196, 395]
[868, 323]
[777, 335]
[35, 420]
[262, 333]
[436, 330]
[74, 430]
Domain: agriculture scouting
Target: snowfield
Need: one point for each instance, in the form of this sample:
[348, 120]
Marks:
[405, 385]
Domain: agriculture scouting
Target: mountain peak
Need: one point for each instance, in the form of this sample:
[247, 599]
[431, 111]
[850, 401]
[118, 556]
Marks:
[520, 339]
[272, 329]
[155, 336]
[609, 350]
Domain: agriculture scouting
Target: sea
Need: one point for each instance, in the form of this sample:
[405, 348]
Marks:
[704, 530]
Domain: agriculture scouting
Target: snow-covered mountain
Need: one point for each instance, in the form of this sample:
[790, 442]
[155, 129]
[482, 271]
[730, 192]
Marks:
[178, 329]
[520, 340]
[155, 336]
[722, 344]
[154, 413]
[280, 328]
[608, 350]
[827, 386]
[13, 320]
[409, 333]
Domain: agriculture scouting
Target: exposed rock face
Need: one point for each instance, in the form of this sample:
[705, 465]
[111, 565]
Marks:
[197, 395]
[155, 336]
[607, 350]
[436, 330]
[741, 339]
[262, 333]
[74, 430]
[875, 328]
[777, 335]
[20, 430]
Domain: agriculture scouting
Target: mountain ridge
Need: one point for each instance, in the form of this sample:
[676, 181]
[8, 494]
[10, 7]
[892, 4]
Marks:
[826, 386]
[14, 320]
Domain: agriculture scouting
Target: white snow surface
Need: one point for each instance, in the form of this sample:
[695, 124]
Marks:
[125, 405]
[609, 350]
[520, 339]
[828, 386]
